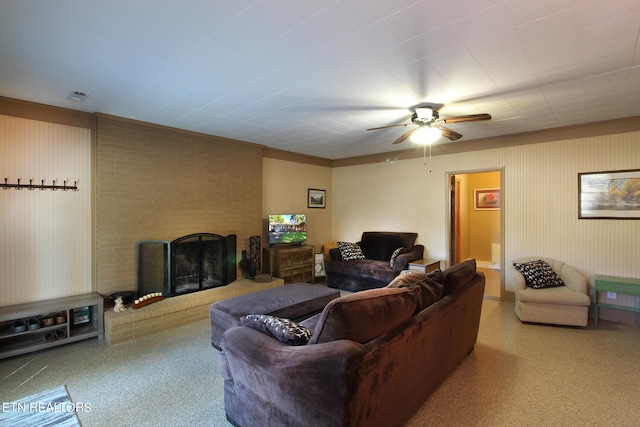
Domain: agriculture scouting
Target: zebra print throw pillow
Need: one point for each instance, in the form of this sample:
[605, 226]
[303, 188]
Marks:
[284, 330]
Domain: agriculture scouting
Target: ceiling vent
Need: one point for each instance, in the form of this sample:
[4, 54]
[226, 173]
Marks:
[78, 96]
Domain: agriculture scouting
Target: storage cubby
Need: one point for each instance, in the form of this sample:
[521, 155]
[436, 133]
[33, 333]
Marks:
[35, 326]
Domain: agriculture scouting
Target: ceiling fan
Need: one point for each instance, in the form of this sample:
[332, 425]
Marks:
[426, 117]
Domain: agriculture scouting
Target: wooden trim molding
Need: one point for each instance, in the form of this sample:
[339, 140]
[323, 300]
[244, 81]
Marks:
[47, 113]
[273, 153]
[609, 127]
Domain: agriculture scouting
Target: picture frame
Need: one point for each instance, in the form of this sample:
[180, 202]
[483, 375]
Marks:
[486, 199]
[316, 198]
[609, 194]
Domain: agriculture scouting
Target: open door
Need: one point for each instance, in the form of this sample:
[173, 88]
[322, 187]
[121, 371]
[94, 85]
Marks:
[476, 230]
[454, 191]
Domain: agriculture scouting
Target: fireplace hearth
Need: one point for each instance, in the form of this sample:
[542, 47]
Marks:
[188, 264]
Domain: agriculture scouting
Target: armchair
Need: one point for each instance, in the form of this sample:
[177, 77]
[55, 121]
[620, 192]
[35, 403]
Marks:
[560, 305]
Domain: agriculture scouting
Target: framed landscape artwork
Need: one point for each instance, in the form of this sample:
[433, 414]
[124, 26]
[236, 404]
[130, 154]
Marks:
[609, 195]
[316, 198]
[486, 199]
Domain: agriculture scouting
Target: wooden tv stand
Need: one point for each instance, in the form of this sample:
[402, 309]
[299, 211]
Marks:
[290, 263]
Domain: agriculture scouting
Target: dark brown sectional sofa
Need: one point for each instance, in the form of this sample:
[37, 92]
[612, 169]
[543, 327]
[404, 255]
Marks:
[375, 271]
[374, 357]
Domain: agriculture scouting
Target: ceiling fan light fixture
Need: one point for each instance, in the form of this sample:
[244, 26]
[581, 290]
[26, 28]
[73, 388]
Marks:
[426, 135]
[424, 113]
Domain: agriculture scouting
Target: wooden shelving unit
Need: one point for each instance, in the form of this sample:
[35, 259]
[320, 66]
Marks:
[79, 317]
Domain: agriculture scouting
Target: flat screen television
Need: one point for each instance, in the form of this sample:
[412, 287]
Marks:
[287, 229]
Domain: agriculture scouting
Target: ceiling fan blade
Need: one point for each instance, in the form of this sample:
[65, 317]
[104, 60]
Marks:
[391, 126]
[406, 135]
[469, 118]
[448, 133]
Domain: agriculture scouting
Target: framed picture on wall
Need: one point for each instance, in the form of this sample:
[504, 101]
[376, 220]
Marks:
[486, 199]
[316, 198]
[609, 195]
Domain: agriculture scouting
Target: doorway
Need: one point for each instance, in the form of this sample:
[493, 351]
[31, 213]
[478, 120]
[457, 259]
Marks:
[476, 224]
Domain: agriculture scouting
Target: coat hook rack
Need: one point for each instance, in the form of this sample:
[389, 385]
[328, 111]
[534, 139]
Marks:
[42, 186]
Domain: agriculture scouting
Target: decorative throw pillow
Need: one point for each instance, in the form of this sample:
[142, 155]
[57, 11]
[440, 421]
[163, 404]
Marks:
[284, 330]
[350, 251]
[538, 274]
[399, 251]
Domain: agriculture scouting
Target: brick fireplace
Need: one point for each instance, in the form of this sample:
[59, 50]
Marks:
[173, 312]
[188, 264]
[153, 181]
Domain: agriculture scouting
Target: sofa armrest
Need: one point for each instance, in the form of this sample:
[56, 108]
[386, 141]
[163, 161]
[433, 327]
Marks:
[518, 278]
[573, 279]
[403, 260]
[300, 384]
[334, 254]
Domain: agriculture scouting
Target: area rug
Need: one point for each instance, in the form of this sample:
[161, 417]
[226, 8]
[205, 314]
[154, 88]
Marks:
[49, 408]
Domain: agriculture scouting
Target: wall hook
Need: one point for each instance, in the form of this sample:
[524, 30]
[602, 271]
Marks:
[31, 186]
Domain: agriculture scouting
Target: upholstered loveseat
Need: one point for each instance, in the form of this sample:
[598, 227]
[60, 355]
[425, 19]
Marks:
[374, 357]
[378, 265]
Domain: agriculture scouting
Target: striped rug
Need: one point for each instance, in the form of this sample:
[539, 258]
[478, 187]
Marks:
[49, 408]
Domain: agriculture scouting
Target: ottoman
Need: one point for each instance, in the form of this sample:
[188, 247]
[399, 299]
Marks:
[296, 301]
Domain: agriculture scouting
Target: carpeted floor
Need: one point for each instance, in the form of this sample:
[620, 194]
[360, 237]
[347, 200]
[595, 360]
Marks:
[167, 379]
[519, 374]
[492, 288]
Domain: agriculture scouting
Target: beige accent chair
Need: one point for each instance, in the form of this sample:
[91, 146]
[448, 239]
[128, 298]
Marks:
[564, 305]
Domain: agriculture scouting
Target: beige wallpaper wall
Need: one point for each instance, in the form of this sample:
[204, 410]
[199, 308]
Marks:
[539, 198]
[45, 236]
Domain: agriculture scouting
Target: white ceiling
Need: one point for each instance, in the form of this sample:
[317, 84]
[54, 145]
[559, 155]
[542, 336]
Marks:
[311, 76]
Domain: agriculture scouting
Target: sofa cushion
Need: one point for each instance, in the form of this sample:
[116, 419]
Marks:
[363, 316]
[430, 290]
[284, 330]
[538, 274]
[311, 322]
[558, 295]
[458, 275]
[350, 251]
[364, 269]
[326, 248]
[379, 245]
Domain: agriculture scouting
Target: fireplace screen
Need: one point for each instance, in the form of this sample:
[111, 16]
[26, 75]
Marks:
[198, 263]
[153, 267]
[188, 264]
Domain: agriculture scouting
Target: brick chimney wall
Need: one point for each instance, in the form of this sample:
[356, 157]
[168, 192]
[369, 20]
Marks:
[154, 182]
